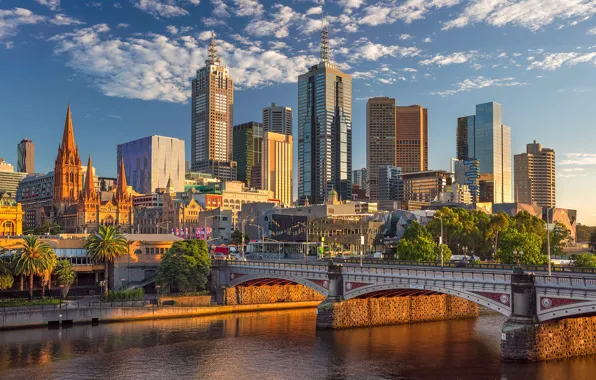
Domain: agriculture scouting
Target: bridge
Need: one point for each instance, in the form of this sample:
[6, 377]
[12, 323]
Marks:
[542, 309]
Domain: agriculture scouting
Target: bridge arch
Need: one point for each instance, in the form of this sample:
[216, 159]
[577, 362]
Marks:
[498, 301]
[316, 285]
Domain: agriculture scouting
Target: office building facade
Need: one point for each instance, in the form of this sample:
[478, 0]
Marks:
[151, 161]
[324, 131]
[391, 185]
[212, 116]
[277, 119]
[276, 166]
[380, 139]
[535, 176]
[360, 177]
[485, 138]
[421, 188]
[248, 150]
[411, 138]
[467, 172]
[26, 157]
[9, 180]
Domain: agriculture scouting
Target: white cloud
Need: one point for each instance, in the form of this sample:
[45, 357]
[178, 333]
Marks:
[62, 19]
[409, 11]
[592, 31]
[114, 116]
[163, 8]
[118, 5]
[579, 159]
[12, 20]
[250, 8]
[158, 67]
[278, 26]
[530, 14]
[476, 83]
[122, 25]
[212, 21]
[172, 29]
[553, 61]
[570, 170]
[410, 70]
[220, 9]
[315, 10]
[278, 45]
[441, 60]
[404, 37]
[51, 4]
[427, 40]
[371, 51]
[350, 4]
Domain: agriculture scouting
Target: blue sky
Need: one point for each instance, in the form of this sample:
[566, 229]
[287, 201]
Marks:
[126, 66]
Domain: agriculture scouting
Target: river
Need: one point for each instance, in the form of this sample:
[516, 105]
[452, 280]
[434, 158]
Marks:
[271, 345]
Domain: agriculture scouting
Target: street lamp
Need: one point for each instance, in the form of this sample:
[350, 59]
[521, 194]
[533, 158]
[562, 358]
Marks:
[517, 255]
[441, 239]
[262, 229]
[548, 223]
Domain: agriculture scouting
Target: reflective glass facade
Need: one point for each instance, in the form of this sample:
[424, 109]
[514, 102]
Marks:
[324, 133]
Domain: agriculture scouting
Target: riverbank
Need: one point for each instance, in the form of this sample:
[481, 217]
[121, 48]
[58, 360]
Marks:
[57, 317]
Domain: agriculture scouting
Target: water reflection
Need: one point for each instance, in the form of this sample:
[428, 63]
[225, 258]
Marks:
[271, 345]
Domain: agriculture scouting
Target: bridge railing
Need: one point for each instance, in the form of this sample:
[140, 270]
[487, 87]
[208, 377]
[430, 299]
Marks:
[530, 268]
[280, 265]
[431, 273]
[558, 281]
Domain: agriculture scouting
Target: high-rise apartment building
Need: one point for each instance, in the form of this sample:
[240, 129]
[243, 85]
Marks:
[535, 176]
[485, 138]
[212, 117]
[467, 172]
[151, 161]
[248, 147]
[26, 156]
[421, 188]
[276, 166]
[411, 138]
[391, 185]
[324, 130]
[360, 178]
[9, 180]
[380, 139]
[277, 119]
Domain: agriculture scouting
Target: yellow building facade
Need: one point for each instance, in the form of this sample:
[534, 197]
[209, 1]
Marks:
[11, 217]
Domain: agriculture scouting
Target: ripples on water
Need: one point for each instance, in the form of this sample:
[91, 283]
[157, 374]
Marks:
[271, 345]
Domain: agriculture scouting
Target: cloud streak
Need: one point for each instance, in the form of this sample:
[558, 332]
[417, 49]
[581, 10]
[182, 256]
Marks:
[479, 82]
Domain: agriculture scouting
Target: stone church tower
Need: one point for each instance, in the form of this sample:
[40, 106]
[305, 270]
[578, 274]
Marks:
[68, 173]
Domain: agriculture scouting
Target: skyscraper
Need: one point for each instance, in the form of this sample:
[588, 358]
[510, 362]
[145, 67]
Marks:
[380, 139]
[151, 161]
[277, 119]
[248, 147]
[535, 176]
[212, 117]
[391, 184]
[276, 166]
[484, 137]
[360, 178]
[26, 157]
[411, 138]
[324, 130]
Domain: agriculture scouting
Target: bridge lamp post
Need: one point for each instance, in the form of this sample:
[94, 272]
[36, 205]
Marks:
[548, 228]
[441, 239]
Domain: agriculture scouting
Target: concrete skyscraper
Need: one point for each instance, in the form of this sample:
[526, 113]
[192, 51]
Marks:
[277, 119]
[276, 166]
[212, 118]
[26, 157]
[535, 176]
[324, 130]
[484, 137]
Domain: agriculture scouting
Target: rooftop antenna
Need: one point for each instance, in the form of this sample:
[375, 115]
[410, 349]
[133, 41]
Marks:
[324, 38]
[212, 50]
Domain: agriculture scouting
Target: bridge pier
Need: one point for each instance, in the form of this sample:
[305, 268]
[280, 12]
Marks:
[326, 311]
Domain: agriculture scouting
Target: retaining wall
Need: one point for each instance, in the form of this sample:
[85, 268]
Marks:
[393, 310]
[188, 300]
[247, 295]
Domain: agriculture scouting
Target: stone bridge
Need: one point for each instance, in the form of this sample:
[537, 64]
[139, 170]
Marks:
[548, 316]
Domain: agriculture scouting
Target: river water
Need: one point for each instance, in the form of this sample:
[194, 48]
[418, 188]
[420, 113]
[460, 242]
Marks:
[271, 345]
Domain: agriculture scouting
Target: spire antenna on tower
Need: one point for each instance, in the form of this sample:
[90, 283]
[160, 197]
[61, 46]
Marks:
[213, 58]
[324, 39]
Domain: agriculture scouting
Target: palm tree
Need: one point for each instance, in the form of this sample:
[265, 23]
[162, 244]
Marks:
[6, 278]
[105, 246]
[33, 258]
[65, 275]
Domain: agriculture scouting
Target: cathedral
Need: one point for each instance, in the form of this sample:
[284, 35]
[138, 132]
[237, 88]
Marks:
[78, 206]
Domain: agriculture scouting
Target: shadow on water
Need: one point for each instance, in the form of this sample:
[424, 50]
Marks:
[271, 345]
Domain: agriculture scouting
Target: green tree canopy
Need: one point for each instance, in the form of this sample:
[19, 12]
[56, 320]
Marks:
[33, 258]
[6, 277]
[528, 243]
[106, 246]
[418, 244]
[185, 266]
[585, 260]
[65, 275]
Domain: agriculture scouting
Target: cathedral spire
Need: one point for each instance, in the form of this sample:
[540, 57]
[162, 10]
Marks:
[68, 142]
[89, 186]
[121, 180]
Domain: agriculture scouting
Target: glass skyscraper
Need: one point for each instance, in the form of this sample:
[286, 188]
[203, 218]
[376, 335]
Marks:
[484, 137]
[324, 131]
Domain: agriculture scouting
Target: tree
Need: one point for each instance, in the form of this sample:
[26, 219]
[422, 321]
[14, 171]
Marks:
[6, 277]
[558, 237]
[33, 258]
[106, 246]
[237, 237]
[417, 244]
[65, 275]
[528, 243]
[185, 266]
[585, 260]
[46, 275]
[593, 241]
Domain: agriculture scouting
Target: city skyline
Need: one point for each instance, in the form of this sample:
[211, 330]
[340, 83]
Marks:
[535, 110]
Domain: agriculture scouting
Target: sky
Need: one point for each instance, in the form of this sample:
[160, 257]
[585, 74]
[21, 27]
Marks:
[126, 67]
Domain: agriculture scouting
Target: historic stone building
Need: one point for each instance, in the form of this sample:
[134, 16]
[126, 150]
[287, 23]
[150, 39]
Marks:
[81, 208]
[11, 217]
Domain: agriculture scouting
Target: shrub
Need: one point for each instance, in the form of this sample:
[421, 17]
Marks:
[125, 295]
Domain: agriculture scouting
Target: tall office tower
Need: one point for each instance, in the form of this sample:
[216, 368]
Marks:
[151, 161]
[248, 146]
[324, 130]
[467, 172]
[360, 178]
[411, 138]
[212, 117]
[391, 184]
[276, 166]
[277, 119]
[535, 176]
[26, 157]
[380, 139]
[489, 142]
